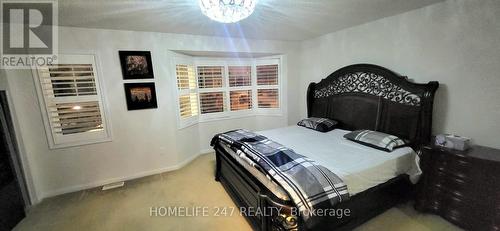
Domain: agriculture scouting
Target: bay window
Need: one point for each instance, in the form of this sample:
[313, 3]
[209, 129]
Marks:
[211, 89]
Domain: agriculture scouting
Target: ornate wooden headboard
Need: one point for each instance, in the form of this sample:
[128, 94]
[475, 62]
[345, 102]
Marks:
[366, 96]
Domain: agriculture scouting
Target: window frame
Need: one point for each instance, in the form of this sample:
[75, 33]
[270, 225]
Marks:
[228, 113]
[225, 85]
[236, 63]
[192, 120]
[79, 139]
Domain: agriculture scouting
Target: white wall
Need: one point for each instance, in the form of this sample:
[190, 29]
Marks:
[456, 42]
[144, 141]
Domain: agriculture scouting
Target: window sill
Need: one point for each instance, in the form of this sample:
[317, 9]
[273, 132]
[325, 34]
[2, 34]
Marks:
[80, 143]
[225, 116]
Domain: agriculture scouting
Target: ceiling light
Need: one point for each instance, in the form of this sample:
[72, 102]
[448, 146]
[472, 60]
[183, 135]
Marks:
[77, 107]
[227, 11]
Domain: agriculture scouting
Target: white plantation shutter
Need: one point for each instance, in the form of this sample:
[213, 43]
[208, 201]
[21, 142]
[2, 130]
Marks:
[213, 99]
[212, 89]
[188, 104]
[241, 100]
[70, 94]
[186, 85]
[240, 87]
[212, 102]
[240, 76]
[186, 78]
[267, 74]
[69, 79]
[268, 98]
[72, 118]
[268, 86]
[210, 76]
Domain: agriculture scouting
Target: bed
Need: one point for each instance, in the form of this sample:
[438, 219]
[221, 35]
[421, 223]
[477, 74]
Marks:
[361, 96]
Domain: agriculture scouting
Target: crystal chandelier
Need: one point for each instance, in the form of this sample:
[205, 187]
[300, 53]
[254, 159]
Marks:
[227, 11]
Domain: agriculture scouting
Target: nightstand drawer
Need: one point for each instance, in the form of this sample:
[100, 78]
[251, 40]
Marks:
[451, 184]
[458, 209]
[450, 168]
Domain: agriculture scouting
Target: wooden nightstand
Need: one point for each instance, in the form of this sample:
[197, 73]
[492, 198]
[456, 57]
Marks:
[461, 186]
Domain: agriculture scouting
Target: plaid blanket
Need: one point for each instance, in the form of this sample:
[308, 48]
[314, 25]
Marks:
[307, 182]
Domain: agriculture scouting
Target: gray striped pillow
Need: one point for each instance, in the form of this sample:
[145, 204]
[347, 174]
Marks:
[318, 124]
[376, 140]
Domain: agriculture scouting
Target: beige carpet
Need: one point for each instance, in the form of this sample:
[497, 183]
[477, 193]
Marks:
[128, 208]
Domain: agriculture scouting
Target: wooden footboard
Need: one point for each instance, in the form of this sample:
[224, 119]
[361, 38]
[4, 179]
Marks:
[250, 195]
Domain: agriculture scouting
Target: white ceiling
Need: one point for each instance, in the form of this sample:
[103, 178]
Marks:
[272, 19]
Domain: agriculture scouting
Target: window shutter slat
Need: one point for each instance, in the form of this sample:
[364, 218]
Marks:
[212, 102]
[90, 81]
[240, 76]
[188, 105]
[70, 78]
[70, 118]
[186, 78]
[268, 98]
[267, 74]
[210, 76]
[78, 130]
[241, 100]
[62, 80]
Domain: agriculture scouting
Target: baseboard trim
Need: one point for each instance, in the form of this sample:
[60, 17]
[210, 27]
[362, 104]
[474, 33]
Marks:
[206, 151]
[81, 187]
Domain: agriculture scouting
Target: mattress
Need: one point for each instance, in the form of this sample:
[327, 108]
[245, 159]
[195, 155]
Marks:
[359, 166]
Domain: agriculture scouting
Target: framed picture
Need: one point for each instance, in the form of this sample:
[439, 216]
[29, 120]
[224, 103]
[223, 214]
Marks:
[136, 64]
[140, 96]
